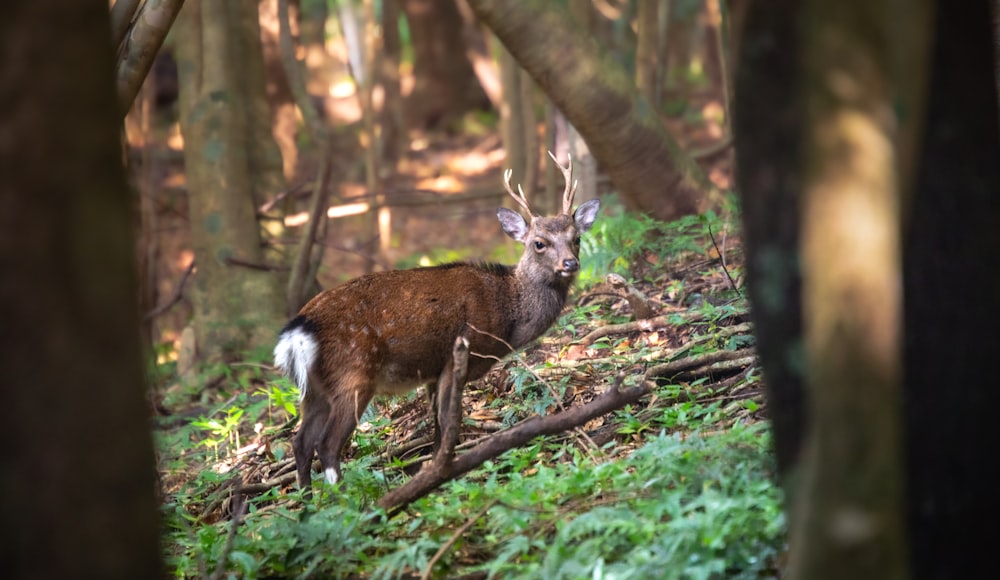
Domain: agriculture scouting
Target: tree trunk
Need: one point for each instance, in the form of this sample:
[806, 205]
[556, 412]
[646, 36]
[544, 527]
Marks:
[650, 170]
[951, 283]
[444, 85]
[767, 127]
[511, 120]
[78, 490]
[848, 520]
[645, 51]
[264, 161]
[394, 137]
[237, 305]
[860, 69]
[282, 117]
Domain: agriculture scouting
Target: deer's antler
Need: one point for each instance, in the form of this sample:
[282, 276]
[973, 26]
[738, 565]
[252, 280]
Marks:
[570, 192]
[519, 196]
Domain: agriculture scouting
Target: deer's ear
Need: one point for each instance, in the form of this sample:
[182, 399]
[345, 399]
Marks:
[513, 224]
[585, 215]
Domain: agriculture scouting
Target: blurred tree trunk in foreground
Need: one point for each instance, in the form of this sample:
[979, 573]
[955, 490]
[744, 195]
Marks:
[952, 283]
[767, 125]
[238, 303]
[78, 490]
[599, 98]
[893, 146]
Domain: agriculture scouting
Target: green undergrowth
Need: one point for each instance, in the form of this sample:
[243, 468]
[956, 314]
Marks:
[685, 506]
[682, 488]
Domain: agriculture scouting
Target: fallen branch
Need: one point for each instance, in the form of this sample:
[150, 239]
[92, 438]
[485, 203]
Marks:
[433, 475]
[700, 360]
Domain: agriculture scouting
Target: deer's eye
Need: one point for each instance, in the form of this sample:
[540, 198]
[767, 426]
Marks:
[539, 245]
[576, 241]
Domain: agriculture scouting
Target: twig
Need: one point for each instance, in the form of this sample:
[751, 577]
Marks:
[725, 268]
[177, 297]
[454, 538]
[270, 204]
[231, 261]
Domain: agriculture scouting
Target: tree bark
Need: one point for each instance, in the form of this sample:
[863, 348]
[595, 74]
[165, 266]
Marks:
[769, 180]
[236, 308]
[650, 170]
[78, 491]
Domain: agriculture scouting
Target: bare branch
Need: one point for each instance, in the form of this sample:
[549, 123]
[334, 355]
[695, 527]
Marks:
[142, 42]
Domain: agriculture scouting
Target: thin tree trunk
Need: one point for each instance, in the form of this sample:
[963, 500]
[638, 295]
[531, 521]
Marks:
[78, 491]
[141, 44]
[511, 117]
[299, 279]
[394, 138]
[530, 131]
[479, 56]
[650, 170]
[645, 51]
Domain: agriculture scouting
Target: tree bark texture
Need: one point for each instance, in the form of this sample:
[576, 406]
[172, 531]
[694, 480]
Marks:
[236, 307]
[599, 98]
[78, 491]
[445, 85]
[952, 284]
[767, 121]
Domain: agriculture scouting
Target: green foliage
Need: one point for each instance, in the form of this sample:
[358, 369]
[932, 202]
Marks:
[626, 243]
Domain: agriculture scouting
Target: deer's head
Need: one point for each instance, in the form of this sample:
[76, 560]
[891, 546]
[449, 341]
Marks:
[551, 244]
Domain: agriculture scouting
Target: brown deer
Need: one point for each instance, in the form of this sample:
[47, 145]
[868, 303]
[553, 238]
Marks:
[390, 332]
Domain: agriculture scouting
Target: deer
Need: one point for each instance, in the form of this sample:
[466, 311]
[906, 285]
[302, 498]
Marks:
[390, 332]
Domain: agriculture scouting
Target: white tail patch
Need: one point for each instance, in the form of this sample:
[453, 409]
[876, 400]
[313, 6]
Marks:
[295, 354]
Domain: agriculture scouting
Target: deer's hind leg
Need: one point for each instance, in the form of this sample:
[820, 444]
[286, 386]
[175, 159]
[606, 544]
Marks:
[314, 412]
[346, 408]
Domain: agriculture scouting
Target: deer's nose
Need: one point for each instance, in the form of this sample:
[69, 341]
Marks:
[571, 264]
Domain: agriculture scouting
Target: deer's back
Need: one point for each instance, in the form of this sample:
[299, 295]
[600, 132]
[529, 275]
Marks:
[398, 327]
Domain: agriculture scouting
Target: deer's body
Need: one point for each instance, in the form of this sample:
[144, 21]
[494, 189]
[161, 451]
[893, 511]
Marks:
[391, 332]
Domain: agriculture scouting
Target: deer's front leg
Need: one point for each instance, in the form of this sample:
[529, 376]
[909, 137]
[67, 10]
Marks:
[449, 401]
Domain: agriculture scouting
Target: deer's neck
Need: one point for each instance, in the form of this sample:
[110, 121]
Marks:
[537, 305]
